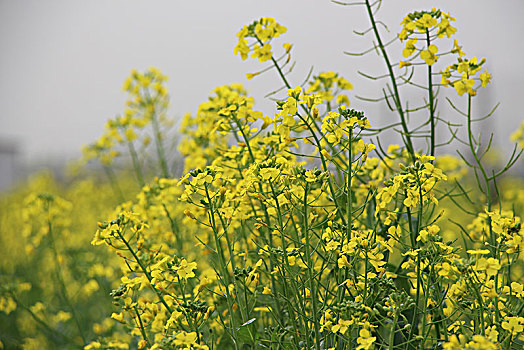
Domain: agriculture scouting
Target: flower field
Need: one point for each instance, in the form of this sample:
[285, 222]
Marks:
[301, 229]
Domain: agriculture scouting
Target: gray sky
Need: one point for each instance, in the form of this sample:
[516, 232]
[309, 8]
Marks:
[63, 62]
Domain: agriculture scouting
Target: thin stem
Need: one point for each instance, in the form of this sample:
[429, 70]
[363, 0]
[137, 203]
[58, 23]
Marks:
[317, 141]
[141, 325]
[348, 184]
[398, 103]
[266, 216]
[431, 101]
[310, 266]
[114, 183]
[136, 165]
[41, 322]
[143, 268]
[61, 279]
[222, 263]
[159, 146]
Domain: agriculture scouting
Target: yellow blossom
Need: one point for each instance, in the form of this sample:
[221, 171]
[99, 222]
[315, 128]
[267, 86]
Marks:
[185, 269]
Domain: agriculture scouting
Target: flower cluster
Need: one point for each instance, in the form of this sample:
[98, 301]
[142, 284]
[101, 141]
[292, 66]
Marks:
[425, 26]
[146, 105]
[463, 76]
[415, 183]
[327, 85]
[262, 31]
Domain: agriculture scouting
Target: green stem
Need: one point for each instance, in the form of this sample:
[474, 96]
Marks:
[425, 313]
[392, 332]
[475, 155]
[159, 147]
[349, 177]
[431, 102]
[143, 268]
[222, 263]
[310, 267]
[349, 210]
[61, 280]
[114, 183]
[269, 238]
[398, 103]
[325, 168]
[295, 294]
[191, 322]
[414, 320]
[141, 325]
[41, 322]
[172, 224]
[317, 141]
[492, 236]
[136, 165]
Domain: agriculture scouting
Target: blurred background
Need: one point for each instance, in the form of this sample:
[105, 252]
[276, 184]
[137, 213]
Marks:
[63, 62]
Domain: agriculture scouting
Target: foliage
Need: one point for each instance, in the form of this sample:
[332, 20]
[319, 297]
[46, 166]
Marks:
[288, 232]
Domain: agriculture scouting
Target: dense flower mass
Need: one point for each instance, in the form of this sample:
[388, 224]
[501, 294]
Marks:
[295, 230]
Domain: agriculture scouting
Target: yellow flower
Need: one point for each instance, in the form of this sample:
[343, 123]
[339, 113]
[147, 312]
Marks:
[344, 84]
[410, 47]
[342, 326]
[463, 66]
[250, 76]
[7, 305]
[426, 22]
[263, 53]
[479, 342]
[185, 269]
[184, 338]
[478, 251]
[485, 78]
[422, 236]
[445, 28]
[402, 64]
[430, 55]
[515, 325]
[295, 92]
[310, 176]
[365, 340]
[269, 173]
[93, 345]
[490, 265]
[465, 85]
[119, 317]
[343, 262]
[457, 49]
[242, 48]
[332, 245]
[492, 333]
[343, 99]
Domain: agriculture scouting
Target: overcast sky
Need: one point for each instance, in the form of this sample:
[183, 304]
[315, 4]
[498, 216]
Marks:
[62, 63]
